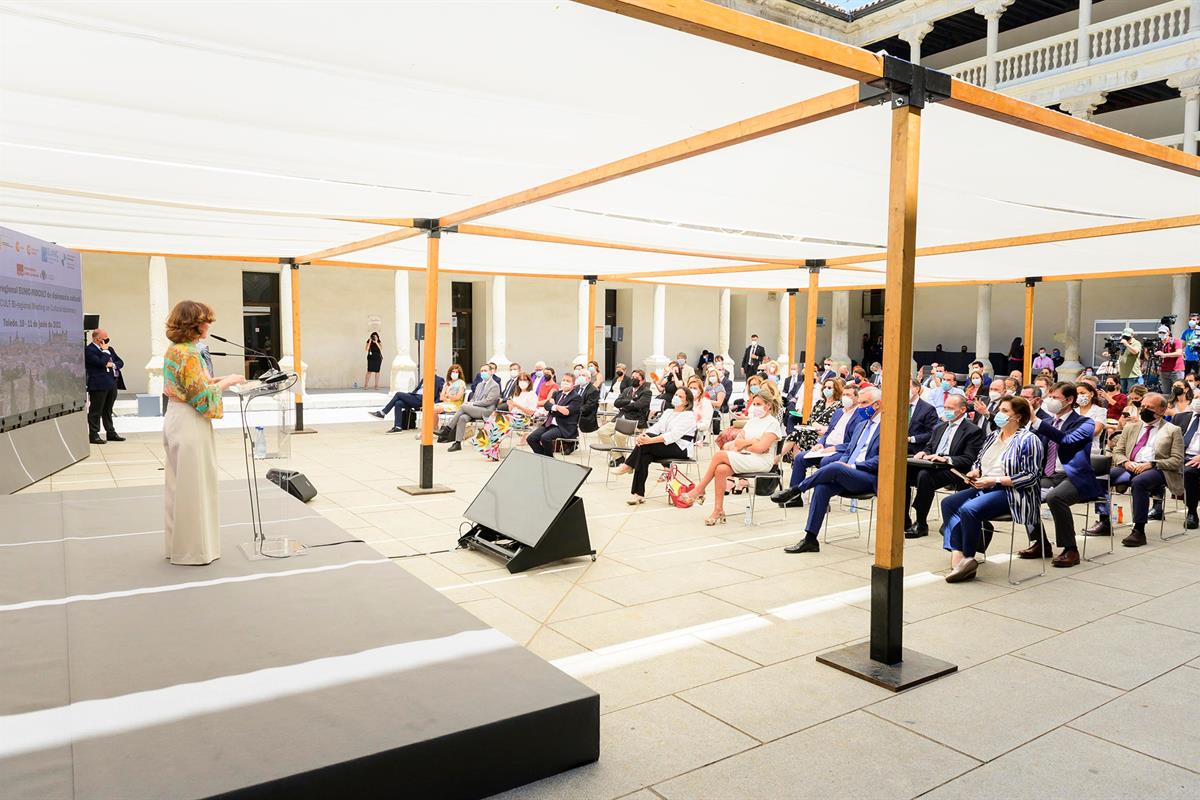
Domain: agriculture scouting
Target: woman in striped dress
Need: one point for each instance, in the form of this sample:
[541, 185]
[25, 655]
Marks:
[1006, 479]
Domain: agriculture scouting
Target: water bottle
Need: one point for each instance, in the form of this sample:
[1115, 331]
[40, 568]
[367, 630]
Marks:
[260, 442]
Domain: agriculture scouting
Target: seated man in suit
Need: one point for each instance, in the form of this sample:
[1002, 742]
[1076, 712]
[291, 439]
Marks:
[562, 417]
[402, 402]
[1189, 423]
[955, 442]
[1067, 477]
[484, 399]
[855, 472]
[921, 419]
[830, 446]
[1147, 455]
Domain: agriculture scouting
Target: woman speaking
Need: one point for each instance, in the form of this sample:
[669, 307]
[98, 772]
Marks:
[193, 529]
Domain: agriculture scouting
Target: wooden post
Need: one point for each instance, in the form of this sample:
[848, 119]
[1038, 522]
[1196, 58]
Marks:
[296, 360]
[883, 660]
[1028, 365]
[591, 319]
[810, 339]
[791, 334]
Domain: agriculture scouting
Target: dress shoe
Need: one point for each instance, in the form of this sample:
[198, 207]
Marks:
[616, 462]
[1102, 528]
[805, 545]
[785, 495]
[965, 571]
[376, 414]
[1191, 523]
[1156, 512]
[97, 440]
[1136, 538]
[795, 502]
[1033, 551]
[112, 437]
[1067, 558]
[394, 429]
[454, 448]
[916, 531]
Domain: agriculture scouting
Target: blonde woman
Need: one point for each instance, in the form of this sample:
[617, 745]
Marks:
[192, 520]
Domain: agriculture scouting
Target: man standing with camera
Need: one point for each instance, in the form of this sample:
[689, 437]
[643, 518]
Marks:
[1129, 369]
[1170, 353]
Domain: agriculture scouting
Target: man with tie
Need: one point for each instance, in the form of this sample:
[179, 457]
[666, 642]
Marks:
[484, 399]
[793, 393]
[855, 472]
[103, 367]
[1147, 455]
[755, 354]
[1067, 477]
[1189, 423]
[921, 419]
[510, 385]
[562, 420]
[955, 443]
[946, 385]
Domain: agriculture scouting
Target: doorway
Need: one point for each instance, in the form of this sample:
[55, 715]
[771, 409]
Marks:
[461, 302]
[260, 319]
[610, 332]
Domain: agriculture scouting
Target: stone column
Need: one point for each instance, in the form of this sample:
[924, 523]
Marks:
[914, 36]
[723, 329]
[992, 10]
[1188, 85]
[404, 369]
[1083, 50]
[839, 341]
[1181, 300]
[983, 326]
[783, 349]
[1084, 105]
[584, 332]
[500, 323]
[657, 360]
[1071, 368]
[287, 363]
[159, 307]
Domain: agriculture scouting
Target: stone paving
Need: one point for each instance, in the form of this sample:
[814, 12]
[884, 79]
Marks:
[701, 641]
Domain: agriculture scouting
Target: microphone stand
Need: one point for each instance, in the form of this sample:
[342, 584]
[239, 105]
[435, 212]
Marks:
[270, 359]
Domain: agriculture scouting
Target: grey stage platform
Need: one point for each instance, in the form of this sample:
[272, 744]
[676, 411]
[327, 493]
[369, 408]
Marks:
[332, 674]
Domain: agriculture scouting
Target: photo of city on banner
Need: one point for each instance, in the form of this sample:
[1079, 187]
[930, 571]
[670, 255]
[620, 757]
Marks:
[366, 116]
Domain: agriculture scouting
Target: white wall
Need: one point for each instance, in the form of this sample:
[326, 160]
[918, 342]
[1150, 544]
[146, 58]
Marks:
[117, 288]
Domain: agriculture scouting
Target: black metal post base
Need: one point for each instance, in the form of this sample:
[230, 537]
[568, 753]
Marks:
[883, 661]
[300, 420]
[426, 486]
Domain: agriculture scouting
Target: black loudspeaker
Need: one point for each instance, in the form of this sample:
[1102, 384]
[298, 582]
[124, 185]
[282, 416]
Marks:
[293, 482]
[91, 322]
[528, 514]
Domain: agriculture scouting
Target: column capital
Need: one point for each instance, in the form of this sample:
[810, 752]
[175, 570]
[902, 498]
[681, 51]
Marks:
[1084, 105]
[915, 34]
[1187, 83]
[992, 8]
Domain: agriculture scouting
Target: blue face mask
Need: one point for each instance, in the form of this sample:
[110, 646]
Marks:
[867, 412]
[1001, 419]
[755, 389]
[947, 415]
[945, 386]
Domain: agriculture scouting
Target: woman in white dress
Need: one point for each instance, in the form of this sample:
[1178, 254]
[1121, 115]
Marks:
[752, 451]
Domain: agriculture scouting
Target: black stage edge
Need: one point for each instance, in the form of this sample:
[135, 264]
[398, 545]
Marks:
[332, 674]
[883, 661]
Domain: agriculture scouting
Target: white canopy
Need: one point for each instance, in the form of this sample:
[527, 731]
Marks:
[263, 129]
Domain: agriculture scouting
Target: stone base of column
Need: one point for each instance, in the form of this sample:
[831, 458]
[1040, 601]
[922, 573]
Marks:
[288, 364]
[580, 359]
[656, 364]
[987, 363]
[1070, 370]
[404, 374]
[502, 364]
[154, 375]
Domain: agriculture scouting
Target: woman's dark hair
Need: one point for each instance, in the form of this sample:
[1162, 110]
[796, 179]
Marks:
[553, 374]
[185, 320]
[375, 335]
[453, 367]
[689, 402]
[1020, 407]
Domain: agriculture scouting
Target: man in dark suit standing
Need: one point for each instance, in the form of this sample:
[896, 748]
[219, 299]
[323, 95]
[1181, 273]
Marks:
[754, 356]
[562, 420]
[855, 472]
[954, 443]
[1067, 477]
[922, 417]
[103, 367]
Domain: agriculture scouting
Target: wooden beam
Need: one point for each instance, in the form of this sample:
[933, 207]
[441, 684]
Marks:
[724, 25]
[362, 244]
[1028, 366]
[987, 103]
[887, 576]
[810, 339]
[396, 222]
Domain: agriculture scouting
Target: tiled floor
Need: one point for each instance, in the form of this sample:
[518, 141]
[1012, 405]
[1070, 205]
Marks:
[701, 641]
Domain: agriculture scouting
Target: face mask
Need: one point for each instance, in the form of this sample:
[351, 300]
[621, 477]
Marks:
[945, 386]
[696, 393]
[868, 412]
[827, 391]
[1001, 419]
[793, 373]
[578, 372]
[484, 375]
[1084, 400]
[754, 342]
[679, 361]
[1052, 405]
[995, 396]
[514, 373]
[1147, 416]
[1177, 391]
[755, 389]
[1163, 336]
[1192, 323]
[1042, 353]
[947, 415]
[1112, 387]
[453, 376]
[977, 381]
[635, 381]
[524, 385]
[758, 412]
[829, 366]
[567, 387]
[592, 371]
[547, 375]
[105, 341]
[679, 402]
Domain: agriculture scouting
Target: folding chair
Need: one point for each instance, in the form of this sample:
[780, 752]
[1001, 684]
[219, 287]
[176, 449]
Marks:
[752, 479]
[624, 426]
[1012, 551]
[856, 510]
[1102, 466]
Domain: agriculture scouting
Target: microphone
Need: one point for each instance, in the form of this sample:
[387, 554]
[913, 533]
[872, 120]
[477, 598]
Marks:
[270, 359]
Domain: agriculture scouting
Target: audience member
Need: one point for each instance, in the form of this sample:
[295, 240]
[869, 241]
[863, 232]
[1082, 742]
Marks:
[702, 405]
[793, 397]
[753, 387]
[453, 391]
[547, 386]
[876, 373]
[982, 412]
[755, 355]
[406, 405]
[685, 370]
[510, 386]
[484, 399]
[978, 366]
[633, 403]
[1016, 356]
[1033, 395]
[752, 451]
[714, 390]
[974, 387]
[588, 381]
[831, 439]
[562, 418]
[539, 376]
[1181, 398]
[1129, 366]
[1086, 405]
[517, 418]
[1003, 481]
[921, 419]
[937, 394]
[1191, 464]
[672, 436]
[953, 444]
[1117, 400]
[828, 401]
[853, 473]
[1170, 353]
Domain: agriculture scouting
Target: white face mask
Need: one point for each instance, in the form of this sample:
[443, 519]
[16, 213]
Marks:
[514, 372]
[524, 385]
[453, 376]
[757, 411]
[679, 402]
[696, 393]
[1052, 405]
[995, 395]
[1084, 400]
[847, 401]
[977, 381]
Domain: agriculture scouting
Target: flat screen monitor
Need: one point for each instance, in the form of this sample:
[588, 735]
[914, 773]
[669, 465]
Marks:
[525, 495]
